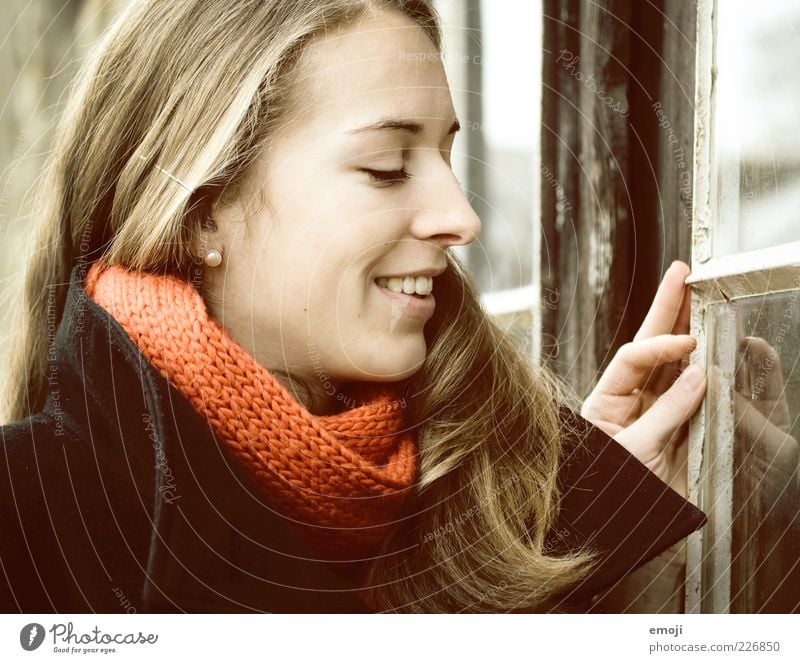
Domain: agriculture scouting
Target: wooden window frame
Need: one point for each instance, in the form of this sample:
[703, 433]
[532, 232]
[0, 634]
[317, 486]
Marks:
[604, 34]
[715, 280]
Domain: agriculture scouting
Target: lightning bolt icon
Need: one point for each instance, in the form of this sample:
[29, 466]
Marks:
[32, 634]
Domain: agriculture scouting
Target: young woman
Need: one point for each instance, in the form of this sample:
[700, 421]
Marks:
[249, 374]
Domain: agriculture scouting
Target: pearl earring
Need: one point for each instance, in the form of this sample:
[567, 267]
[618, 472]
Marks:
[213, 258]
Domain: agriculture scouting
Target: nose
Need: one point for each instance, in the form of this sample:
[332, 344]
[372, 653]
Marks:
[445, 214]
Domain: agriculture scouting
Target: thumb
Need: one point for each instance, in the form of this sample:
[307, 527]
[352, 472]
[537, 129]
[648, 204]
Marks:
[646, 437]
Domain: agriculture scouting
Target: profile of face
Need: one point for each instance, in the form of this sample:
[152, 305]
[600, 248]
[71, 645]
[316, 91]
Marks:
[303, 283]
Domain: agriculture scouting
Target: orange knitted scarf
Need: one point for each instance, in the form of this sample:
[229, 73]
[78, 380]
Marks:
[342, 479]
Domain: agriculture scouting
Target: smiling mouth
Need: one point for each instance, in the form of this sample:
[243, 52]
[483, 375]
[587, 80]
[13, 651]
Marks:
[414, 305]
[419, 287]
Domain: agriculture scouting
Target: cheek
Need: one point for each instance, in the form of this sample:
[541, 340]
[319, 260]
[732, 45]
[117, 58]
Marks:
[344, 315]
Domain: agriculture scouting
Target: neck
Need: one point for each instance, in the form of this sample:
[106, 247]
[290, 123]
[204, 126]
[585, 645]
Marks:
[306, 388]
[315, 397]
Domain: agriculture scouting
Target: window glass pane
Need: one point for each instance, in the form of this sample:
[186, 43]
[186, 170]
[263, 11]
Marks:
[511, 82]
[493, 63]
[757, 124]
[754, 349]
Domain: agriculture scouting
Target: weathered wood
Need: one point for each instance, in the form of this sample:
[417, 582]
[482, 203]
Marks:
[559, 176]
[607, 157]
[605, 262]
[586, 58]
[676, 143]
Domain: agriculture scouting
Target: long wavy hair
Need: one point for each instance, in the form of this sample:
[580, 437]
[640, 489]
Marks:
[199, 87]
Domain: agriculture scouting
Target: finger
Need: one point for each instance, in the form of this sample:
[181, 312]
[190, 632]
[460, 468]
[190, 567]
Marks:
[685, 314]
[665, 311]
[660, 424]
[756, 429]
[635, 363]
[766, 373]
[670, 372]
[741, 374]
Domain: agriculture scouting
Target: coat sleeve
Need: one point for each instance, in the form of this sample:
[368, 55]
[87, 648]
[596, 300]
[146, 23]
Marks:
[611, 503]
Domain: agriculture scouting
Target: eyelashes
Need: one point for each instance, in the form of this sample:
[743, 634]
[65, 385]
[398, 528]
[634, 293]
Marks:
[388, 176]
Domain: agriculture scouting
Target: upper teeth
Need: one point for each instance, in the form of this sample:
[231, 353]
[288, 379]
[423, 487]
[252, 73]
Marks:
[422, 285]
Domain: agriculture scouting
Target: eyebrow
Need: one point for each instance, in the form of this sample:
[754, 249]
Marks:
[393, 124]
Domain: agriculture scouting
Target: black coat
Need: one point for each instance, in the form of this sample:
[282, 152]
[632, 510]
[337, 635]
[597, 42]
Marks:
[117, 497]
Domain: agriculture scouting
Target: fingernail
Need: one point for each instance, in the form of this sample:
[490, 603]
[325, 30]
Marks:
[677, 262]
[692, 377]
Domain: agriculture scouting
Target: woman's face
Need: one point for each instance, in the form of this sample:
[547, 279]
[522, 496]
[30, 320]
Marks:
[348, 205]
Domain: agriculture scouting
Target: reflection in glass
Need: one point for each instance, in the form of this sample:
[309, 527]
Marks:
[757, 125]
[757, 338]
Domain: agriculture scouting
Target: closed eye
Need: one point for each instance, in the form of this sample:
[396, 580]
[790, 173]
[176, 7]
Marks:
[387, 176]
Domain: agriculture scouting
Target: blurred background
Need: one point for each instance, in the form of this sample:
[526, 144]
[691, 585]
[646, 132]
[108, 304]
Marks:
[43, 43]
[583, 129]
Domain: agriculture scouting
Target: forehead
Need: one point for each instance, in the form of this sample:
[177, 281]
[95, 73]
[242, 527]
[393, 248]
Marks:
[383, 64]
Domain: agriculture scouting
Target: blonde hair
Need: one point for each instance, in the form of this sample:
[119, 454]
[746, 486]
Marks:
[198, 88]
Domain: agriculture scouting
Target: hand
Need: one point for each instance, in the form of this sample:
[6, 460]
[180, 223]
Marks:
[760, 395]
[645, 399]
[766, 482]
[768, 455]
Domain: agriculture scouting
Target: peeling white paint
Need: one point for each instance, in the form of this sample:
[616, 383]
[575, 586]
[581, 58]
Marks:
[701, 252]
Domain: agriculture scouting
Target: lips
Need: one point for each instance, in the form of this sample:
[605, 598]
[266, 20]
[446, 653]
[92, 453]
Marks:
[419, 286]
[414, 306]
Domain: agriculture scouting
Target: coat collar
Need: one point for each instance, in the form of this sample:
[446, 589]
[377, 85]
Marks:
[214, 544]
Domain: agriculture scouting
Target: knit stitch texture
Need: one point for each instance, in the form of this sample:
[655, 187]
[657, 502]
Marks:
[342, 479]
